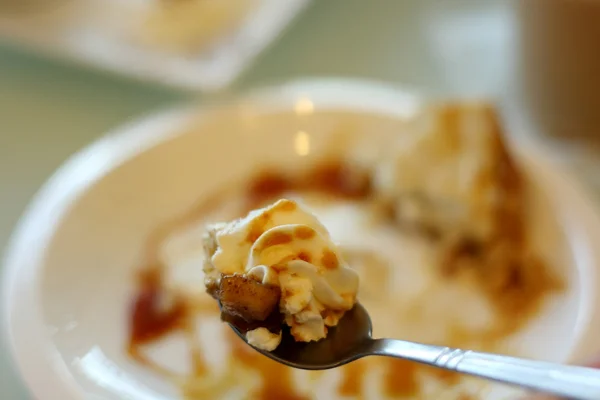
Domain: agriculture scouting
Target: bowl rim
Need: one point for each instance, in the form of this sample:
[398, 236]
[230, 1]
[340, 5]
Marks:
[41, 367]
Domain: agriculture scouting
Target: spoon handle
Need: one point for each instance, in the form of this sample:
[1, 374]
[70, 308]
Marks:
[561, 380]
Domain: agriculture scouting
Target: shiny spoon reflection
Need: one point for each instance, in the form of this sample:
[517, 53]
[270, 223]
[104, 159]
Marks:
[351, 339]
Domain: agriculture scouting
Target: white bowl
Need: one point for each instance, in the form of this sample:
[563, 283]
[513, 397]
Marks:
[69, 265]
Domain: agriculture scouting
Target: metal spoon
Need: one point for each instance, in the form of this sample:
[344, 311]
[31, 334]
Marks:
[352, 340]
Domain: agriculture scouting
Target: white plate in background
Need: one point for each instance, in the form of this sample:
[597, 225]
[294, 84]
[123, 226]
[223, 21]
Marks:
[112, 35]
[69, 265]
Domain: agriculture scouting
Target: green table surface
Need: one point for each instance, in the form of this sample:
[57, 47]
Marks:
[50, 109]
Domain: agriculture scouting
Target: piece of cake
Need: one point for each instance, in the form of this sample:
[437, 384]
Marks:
[450, 173]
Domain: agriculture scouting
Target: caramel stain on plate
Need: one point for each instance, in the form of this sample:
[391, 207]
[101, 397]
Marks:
[154, 312]
[304, 232]
[268, 185]
[333, 177]
[400, 378]
[352, 378]
[329, 260]
[341, 179]
[159, 310]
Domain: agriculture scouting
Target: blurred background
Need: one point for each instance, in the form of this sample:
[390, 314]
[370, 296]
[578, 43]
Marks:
[71, 70]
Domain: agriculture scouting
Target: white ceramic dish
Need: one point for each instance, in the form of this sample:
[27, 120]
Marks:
[108, 34]
[69, 265]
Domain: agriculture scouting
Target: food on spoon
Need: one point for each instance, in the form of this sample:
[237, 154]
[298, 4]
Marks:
[278, 263]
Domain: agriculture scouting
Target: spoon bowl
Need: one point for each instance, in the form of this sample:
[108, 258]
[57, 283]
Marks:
[346, 342]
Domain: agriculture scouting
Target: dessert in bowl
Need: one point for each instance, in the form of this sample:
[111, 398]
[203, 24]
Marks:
[455, 238]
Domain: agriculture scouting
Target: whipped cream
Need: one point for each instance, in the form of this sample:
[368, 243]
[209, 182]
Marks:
[285, 245]
[263, 339]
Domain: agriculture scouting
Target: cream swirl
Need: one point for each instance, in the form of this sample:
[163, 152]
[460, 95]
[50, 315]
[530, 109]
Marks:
[285, 245]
